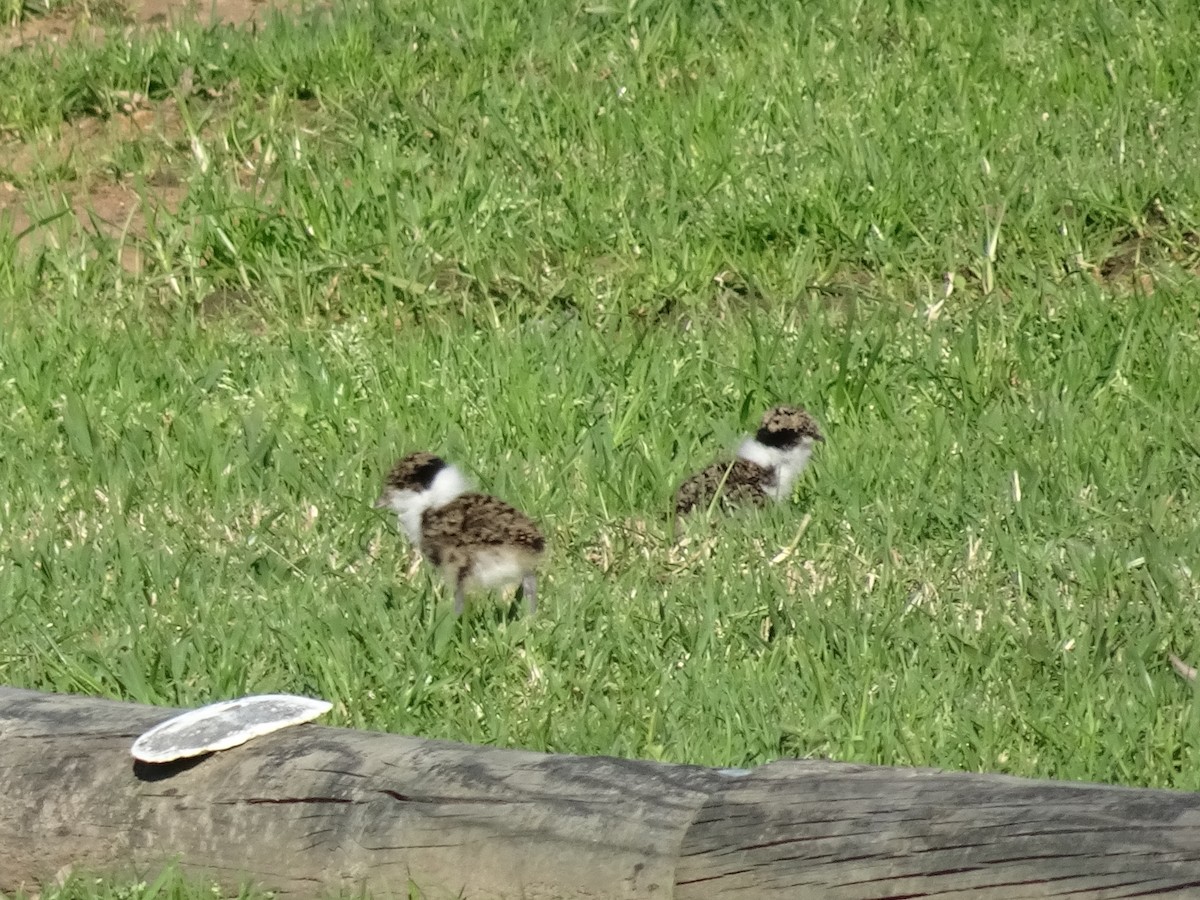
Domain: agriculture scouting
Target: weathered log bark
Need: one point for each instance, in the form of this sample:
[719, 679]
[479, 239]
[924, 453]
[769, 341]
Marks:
[817, 829]
[313, 810]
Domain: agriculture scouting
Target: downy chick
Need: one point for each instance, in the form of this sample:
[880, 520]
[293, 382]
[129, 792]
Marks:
[473, 538]
[765, 468]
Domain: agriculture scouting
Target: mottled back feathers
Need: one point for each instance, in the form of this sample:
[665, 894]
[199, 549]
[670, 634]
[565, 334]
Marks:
[731, 483]
[477, 520]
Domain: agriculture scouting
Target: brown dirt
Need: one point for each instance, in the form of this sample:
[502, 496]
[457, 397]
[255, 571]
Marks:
[95, 202]
[83, 149]
[1138, 254]
[63, 24]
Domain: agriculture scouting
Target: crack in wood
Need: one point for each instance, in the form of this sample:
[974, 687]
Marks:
[283, 801]
[716, 877]
[1169, 889]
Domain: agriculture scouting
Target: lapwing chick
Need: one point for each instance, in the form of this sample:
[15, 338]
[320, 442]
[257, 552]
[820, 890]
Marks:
[765, 468]
[474, 539]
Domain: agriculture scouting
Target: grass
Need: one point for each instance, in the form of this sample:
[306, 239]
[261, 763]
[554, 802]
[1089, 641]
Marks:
[193, 522]
[578, 250]
[170, 884]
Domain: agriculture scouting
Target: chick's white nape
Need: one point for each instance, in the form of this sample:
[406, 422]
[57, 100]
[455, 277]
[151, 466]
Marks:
[416, 483]
[787, 463]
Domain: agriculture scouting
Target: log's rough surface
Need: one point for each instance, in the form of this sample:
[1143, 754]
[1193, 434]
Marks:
[838, 831]
[311, 811]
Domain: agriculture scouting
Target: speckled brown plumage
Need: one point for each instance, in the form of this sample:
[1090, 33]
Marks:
[474, 520]
[784, 426]
[732, 483]
[479, 539]
[414, 472]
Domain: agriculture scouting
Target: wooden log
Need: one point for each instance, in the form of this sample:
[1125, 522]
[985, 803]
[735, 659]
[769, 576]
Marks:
[311, 810]
[832, 830]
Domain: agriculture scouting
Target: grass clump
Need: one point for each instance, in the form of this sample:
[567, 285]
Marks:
[170, 884]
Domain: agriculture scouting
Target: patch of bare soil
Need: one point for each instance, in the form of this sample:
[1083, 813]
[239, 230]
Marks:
[1138, 253]
[92, 200]
[63, 24]
[89, 197]
[113, 211]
